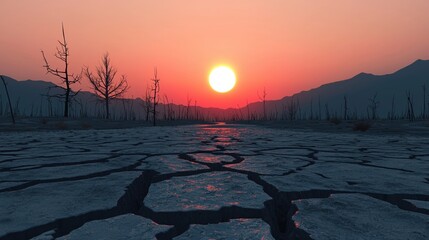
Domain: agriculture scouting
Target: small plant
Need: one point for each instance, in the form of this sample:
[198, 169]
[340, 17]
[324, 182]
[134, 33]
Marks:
[361, 126]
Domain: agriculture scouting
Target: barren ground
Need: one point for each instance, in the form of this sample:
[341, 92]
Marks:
[223, 181]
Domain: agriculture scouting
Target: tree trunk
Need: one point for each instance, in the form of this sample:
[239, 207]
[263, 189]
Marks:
[66, 104]
[154, 109]
[107, 108]
[8, 98]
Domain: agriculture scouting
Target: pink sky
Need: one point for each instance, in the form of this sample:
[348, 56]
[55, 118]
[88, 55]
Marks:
[284, 46]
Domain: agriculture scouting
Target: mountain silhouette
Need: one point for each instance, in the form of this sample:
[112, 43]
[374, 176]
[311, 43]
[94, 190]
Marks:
[389, 91]
[359, 90]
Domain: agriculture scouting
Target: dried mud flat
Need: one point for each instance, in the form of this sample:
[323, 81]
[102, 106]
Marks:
[213, 182]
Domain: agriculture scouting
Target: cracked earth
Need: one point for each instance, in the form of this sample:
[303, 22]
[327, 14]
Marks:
[213, 182]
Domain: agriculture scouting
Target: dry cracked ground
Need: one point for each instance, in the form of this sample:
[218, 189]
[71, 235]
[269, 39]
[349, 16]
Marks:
[213, 182]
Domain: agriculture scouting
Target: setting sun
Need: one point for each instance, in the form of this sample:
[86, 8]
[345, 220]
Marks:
[222, 79]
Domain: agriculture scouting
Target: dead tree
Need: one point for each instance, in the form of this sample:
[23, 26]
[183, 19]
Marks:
[392, 111]
[248, 110]
[263, 98]
[103, 82]
[188, 106]
[1, 106]
[147, 104]
[128, 109]
[155, 91]
[424, 101]
[292, 109]
[240, 113]
[8, 99]
[328, 115]
[67, 79]
[276, 113]
[196, 110]
[373, 106]
[16, 111]
[298, 110]
[345, 107]
[410, 107]
[168, 109]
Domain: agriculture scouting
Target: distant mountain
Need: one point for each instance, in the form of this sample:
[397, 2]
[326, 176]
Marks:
[35, 98]
[361, 92]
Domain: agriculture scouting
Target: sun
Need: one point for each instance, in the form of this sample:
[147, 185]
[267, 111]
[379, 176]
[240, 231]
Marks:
[222, 79]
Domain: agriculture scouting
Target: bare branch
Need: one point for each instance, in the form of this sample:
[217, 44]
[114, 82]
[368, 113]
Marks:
[67, 79]
[103, 83]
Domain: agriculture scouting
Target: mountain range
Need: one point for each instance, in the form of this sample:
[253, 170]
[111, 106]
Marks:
[362, 96]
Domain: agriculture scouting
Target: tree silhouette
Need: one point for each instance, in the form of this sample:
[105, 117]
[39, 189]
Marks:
[147, 103]
[345, 107]
[8, 98]
[67, 79]
[263, 98]
[410, 106]
[104, 84]
[155, 90]
[373, 106]
[424, 101]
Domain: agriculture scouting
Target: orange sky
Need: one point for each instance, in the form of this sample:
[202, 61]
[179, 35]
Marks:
[284, 46]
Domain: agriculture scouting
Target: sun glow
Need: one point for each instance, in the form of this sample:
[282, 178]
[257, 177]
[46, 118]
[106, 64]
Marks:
[222, 79]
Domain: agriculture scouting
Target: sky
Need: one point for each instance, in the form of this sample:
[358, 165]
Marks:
[283, 46]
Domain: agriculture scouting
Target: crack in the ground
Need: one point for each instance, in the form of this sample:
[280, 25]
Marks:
[277, 212]
[48, 165]
[74, 178]
[182, 219]
[399, 201]
[130, 202]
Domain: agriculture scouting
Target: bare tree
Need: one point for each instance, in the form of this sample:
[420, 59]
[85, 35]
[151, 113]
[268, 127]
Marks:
[128, 109]
[168, 109]
[328, 115]
[104, 84]
[263, 98]
[240, 113]
[410, 106]
[424, 101]
[292, 109]
[196, 111]
[147, 104]
[248, 110]
[1, 106]
[188, 106]
[345, 107]
[155, 91]
[8, 98]
[392, 111]
[298, 109]
[67, 79]
[373, 106]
